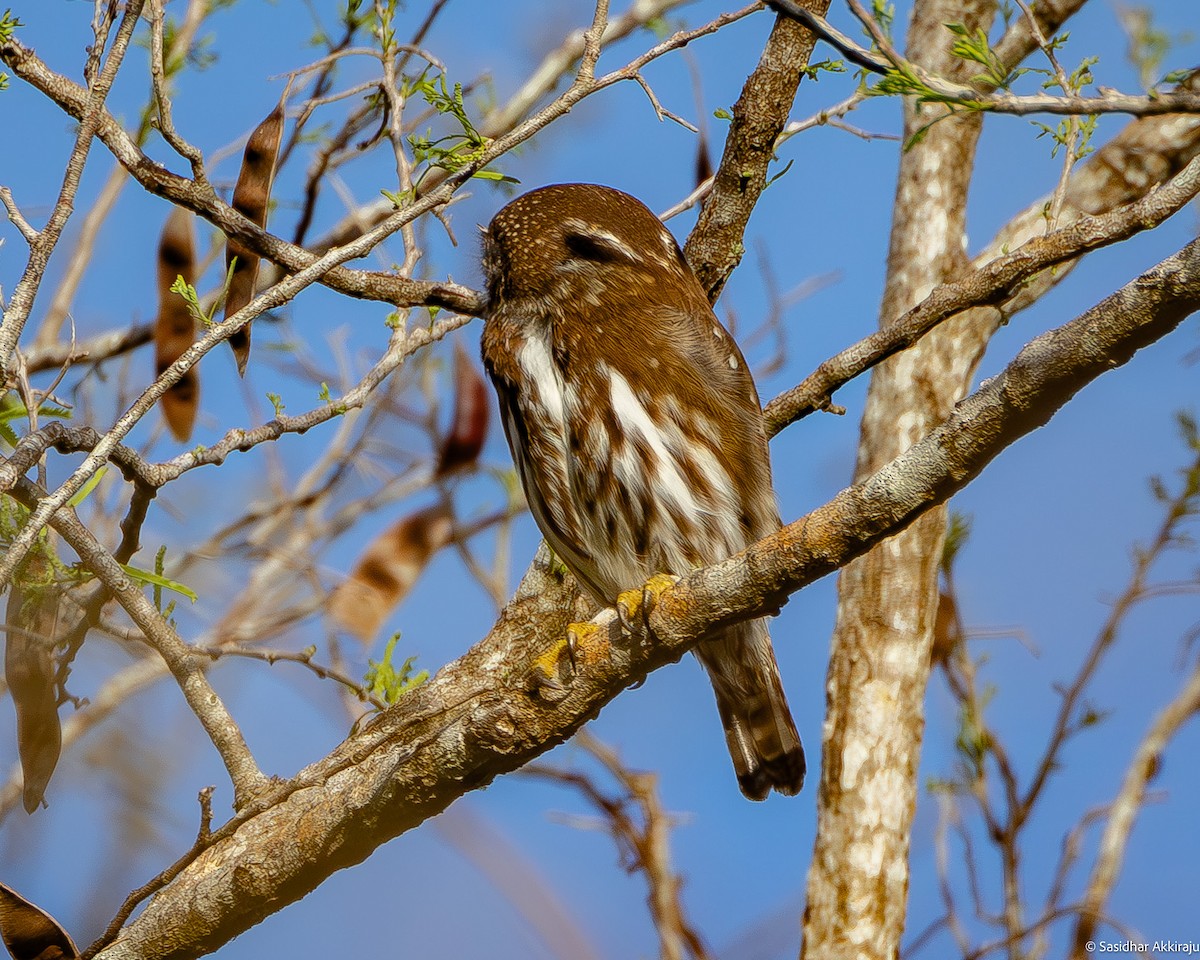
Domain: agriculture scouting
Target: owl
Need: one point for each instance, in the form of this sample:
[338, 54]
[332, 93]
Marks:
[636, 429]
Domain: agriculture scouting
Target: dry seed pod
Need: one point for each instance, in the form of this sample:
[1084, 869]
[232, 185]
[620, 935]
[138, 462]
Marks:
[175, 329]
[251, 197]
[29, 932]
[30, 622]
[468, 429]
[388, 569]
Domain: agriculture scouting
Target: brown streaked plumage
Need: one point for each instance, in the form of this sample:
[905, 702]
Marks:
[636, 429]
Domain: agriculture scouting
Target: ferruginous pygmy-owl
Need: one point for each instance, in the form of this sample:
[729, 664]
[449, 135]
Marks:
[636, 429]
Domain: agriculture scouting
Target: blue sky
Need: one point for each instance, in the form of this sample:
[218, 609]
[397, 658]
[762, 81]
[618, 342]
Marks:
[1054, 518]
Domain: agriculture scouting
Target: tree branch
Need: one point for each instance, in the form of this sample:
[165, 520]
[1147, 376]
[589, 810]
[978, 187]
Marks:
[716, 244]
[185, 666]
[994, 283]
[91, 115]
[493, 709]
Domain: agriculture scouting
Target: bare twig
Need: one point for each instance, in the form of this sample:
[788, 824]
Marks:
[1124, 811]
[993, 283]
[244, 774]
[643, 840]
[92, 116]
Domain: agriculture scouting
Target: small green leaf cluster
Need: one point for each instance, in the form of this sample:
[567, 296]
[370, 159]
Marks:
[1185, 503]
[385, 30]
[1061, 132]
[41, 567]
[464, 146]
[389, 683]
[974, 46]
[184, 289]
[814, 70]
[884, 14]
[8, 24]
[973, 741]
[958, 532]
[1149, 46]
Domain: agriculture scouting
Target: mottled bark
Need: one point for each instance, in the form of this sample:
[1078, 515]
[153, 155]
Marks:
[716, 246]
[499, 706]
[879, 665]
[509, 699]
[878, 669]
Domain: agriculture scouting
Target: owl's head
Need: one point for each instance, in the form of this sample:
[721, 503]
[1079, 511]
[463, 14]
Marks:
[551, 238]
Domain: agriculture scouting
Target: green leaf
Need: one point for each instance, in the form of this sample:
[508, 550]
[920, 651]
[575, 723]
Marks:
[385, 681]
[494, 175]
[8, 24]
[814, 70]
[958, 531]
[13, 408]
[147, 578]
[82, 493]
[885, 14]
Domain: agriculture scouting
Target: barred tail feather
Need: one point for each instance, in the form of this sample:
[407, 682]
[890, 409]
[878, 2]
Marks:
[759, 730]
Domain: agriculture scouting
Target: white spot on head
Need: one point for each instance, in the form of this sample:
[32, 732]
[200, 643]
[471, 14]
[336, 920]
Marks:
[733, 361]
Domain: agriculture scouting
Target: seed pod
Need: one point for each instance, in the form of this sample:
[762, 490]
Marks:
[175, 328]
[251, 197]
[387, 570]
[30, 620]
[29, 932]
[469, 427]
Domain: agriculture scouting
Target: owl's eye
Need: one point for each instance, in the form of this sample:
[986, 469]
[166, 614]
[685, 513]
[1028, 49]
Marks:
[589, 243]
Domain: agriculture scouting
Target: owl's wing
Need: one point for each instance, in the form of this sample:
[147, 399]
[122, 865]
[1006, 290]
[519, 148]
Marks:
[543, 463]
[690, 361]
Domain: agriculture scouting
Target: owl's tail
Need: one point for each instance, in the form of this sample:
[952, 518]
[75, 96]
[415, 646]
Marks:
[759, 730]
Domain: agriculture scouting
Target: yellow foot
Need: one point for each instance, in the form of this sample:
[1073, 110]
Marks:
[587, 643]
[584, 644]
[635, 606]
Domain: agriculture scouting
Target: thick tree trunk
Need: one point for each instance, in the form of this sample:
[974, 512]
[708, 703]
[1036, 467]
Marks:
[879, 666]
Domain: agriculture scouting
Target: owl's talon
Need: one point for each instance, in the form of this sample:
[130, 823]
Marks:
[635, 606]
[553, 670]
[546, 687]
[573, 644]
[629, 606]
[586, 642]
